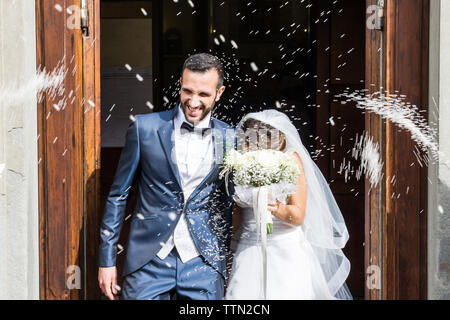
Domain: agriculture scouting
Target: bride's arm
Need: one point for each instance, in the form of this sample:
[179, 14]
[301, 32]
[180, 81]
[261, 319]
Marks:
[294, 211]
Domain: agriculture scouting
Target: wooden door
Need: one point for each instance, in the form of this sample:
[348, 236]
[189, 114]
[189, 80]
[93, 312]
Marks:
[393, 227]
[340, 54]
[61, 150]
[92, 148]
[374, 126]
[396, 212]
[69, 153]
[405, 216]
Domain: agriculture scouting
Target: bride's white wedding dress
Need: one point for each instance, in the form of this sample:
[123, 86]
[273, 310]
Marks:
[293, 270]
[303, 262]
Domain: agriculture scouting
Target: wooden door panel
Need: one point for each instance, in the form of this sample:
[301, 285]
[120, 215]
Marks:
[60, 147]
[338, 124]
[374, 126]
[92, 149]
[405, 216]
[69, 153]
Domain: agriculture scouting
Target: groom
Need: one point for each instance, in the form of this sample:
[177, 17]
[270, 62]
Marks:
[180, 229]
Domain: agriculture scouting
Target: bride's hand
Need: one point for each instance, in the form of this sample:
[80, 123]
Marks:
[287, 213]
[294, 211]
[276, 208]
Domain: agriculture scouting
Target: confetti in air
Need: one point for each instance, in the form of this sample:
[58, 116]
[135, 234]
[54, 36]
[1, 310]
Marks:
[278, 104]
[166, 100]
[371, 164]
[368, 153]
[50, 84]
[254, 67]
[172, 216]
[150, 105]
[140, 216]
[332, 123]
[406, 116]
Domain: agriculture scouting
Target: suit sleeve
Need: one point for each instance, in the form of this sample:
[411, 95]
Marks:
[114, 212]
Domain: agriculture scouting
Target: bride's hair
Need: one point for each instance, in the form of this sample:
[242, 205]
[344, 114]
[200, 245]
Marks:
[264, 136]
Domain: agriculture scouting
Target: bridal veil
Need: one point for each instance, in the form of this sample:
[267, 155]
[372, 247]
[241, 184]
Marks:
[324, 226]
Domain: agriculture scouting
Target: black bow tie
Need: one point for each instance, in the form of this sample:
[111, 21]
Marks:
[187, 128]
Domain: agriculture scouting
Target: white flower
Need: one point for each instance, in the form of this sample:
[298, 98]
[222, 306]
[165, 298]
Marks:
[261, 168]
[267, 160]
[233, 158]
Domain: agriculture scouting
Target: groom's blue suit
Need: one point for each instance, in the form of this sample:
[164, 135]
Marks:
[147, 156]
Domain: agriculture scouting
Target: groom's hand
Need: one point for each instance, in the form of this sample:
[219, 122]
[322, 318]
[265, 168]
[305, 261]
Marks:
[107, 280]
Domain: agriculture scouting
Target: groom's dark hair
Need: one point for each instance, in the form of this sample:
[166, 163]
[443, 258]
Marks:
[203, 62]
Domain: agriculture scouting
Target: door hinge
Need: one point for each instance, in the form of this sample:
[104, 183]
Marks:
[85, 18]
[379, 21]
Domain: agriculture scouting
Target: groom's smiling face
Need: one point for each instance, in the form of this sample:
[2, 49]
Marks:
[199, 93]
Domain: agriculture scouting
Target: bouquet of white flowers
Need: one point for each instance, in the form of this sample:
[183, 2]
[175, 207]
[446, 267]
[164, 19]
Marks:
[265, 172]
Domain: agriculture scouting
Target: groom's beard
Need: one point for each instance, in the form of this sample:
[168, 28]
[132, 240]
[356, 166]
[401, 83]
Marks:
[206, 111]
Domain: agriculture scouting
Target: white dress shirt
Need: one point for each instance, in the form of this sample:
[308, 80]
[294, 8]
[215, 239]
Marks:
[194, 154]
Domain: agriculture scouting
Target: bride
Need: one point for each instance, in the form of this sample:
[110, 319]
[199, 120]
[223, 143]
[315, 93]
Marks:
[302, 258]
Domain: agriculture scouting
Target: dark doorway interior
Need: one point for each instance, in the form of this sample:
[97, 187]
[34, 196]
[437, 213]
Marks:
[339, 58]
[128, 74]
[276, 54]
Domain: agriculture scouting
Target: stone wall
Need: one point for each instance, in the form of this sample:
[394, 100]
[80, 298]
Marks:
[19, 250]
[439, 173]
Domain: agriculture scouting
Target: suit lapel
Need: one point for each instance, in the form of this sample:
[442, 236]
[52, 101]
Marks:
[166, 136]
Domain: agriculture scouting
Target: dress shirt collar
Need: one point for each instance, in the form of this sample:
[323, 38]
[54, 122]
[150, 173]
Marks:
[180, 118]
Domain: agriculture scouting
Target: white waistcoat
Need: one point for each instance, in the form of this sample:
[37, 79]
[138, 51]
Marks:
[195, 158]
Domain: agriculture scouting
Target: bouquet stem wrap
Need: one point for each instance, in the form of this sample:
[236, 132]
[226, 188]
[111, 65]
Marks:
[260, 202]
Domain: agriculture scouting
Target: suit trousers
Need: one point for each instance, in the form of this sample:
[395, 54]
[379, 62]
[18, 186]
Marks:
[168, 278]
